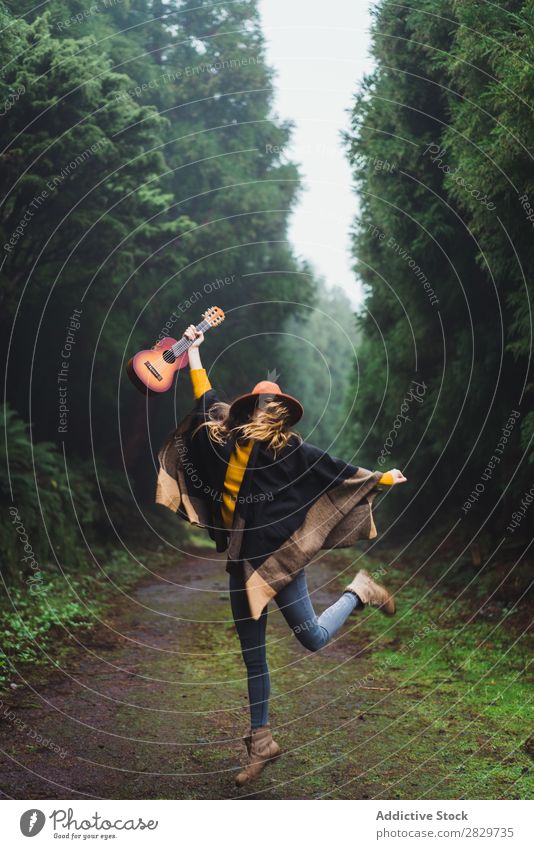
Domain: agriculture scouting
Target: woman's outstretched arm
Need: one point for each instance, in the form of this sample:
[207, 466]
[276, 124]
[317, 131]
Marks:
[391, 478]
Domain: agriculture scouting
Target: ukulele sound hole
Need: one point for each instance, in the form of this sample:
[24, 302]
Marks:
[169, 357]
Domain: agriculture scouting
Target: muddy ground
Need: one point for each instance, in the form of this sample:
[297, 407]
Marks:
[152, 702]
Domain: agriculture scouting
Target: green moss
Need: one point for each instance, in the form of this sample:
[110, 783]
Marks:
[31, 622]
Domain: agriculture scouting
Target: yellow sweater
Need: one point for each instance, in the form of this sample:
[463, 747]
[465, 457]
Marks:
[240, 457]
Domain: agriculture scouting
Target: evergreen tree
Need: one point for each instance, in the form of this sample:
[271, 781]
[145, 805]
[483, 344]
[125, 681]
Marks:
[143, 181]
[433, 305]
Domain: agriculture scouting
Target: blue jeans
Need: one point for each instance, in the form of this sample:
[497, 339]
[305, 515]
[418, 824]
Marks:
[311, 630]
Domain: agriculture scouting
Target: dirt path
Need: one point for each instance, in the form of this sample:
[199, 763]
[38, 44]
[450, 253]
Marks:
[154, 706]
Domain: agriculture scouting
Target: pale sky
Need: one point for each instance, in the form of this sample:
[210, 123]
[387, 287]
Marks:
[319, 49]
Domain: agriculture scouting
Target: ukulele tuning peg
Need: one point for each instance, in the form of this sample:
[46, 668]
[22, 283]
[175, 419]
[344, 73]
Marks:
[214, 315]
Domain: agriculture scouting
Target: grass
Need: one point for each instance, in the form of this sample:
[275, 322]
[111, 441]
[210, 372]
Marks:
[433, 704]
[463, 681]
[32, 623]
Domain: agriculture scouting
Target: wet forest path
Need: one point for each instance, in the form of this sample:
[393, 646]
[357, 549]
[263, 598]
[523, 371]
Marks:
[153, 703]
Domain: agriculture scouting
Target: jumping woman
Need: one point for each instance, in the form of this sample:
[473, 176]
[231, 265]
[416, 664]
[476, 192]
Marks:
[272, 502]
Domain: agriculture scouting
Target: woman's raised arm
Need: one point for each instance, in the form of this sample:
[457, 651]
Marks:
[199, 378]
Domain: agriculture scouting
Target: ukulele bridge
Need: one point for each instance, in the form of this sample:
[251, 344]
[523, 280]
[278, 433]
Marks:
[152, 370]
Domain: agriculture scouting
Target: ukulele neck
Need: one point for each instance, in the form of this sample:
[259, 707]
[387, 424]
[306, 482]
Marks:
[183, 344]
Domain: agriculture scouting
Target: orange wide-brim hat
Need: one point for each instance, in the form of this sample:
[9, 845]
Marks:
[266, 391]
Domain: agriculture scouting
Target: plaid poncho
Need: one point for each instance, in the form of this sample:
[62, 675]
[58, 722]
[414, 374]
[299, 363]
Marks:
[289, 507]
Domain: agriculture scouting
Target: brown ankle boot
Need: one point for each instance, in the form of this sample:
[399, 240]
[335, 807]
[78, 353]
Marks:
[372, 593]
[261, 750]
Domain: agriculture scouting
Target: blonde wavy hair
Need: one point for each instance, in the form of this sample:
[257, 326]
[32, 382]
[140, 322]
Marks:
[268, 423]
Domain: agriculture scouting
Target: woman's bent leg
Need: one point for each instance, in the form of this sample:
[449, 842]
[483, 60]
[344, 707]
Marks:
[251, 634]
[311, 630]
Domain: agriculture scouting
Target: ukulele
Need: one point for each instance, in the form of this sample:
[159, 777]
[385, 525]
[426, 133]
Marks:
[153, 371]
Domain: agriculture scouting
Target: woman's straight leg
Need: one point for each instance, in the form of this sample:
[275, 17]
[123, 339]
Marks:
[251, 635]
[311, 630]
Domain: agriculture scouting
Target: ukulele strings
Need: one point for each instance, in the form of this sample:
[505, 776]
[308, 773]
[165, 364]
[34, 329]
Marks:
[203, 326]
[162, 359]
